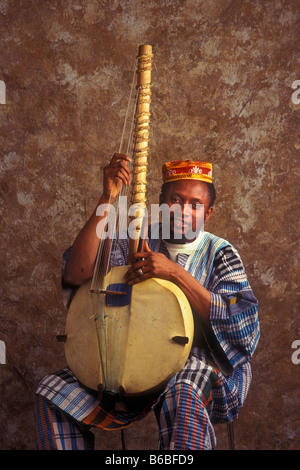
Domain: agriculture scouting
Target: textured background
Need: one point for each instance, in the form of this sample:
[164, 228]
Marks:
[222, 87]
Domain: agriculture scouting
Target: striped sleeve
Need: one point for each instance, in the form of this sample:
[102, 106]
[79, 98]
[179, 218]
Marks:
[234, 308]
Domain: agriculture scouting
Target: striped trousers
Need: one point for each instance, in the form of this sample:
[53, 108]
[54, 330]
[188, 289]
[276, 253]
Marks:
[183, 413]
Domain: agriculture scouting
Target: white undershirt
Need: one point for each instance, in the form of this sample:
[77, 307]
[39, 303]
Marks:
[175, 249]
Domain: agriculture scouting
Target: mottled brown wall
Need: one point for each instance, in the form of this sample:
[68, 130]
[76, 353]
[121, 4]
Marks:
[222, 88]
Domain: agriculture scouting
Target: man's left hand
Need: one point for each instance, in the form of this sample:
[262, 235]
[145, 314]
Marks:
[149, 264]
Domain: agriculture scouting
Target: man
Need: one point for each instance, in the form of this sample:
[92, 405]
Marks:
[215, 380]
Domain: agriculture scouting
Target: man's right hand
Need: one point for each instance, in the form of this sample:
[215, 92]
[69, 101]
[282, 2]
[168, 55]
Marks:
[115, 174]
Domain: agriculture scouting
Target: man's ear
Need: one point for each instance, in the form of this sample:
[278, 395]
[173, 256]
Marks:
[208, 214]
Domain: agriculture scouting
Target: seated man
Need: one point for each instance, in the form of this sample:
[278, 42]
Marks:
[215, 380]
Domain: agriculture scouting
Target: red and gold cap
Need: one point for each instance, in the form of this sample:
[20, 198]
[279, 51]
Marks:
[187, 169]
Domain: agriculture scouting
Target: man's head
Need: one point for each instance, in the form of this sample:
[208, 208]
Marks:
[188, 184]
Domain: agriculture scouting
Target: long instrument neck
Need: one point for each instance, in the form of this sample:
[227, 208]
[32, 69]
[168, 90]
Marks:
[140, 146]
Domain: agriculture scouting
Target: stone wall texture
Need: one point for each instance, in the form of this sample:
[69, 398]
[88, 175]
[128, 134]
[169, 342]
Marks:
[222, 91]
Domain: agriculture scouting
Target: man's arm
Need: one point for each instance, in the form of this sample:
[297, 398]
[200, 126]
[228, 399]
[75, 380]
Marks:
[228, 308]
[81, 261]
[158, 265]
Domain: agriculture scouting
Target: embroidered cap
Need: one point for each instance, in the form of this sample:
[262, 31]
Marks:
[187, 169]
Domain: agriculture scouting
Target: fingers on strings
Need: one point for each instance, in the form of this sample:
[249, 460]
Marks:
[139, 271]
[119, 163]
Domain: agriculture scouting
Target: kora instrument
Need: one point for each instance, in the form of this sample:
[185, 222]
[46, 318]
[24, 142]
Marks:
[127, 340]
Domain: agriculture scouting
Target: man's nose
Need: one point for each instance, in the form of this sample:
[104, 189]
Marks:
[186, 210]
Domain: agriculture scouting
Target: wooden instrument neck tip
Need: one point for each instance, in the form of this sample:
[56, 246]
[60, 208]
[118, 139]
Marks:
[145, 49]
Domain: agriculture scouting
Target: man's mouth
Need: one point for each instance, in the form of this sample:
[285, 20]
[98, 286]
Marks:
[178, 224]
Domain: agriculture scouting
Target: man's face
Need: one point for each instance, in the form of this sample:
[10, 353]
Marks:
[191, 198]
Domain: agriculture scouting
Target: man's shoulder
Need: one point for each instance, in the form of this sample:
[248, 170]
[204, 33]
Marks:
[215, 242]
[221, 250]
